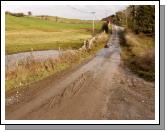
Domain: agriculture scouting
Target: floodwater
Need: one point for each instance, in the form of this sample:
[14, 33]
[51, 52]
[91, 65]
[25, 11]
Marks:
[12, 60]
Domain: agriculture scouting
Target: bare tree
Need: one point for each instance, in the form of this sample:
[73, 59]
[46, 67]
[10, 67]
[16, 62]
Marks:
[29, 13]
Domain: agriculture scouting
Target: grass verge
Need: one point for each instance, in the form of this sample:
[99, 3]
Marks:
[138, 54]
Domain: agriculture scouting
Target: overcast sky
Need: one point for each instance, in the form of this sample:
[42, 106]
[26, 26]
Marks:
[68, 11]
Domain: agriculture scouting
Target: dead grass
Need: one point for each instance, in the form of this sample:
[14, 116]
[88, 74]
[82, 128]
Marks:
[31, 70]
[139, 55]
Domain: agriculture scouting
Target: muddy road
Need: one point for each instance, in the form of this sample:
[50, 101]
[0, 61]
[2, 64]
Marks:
[99, 89]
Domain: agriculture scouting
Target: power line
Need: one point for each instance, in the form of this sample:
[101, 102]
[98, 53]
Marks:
[97, 18]
[86, 12]
[93, 13]
[78, 9]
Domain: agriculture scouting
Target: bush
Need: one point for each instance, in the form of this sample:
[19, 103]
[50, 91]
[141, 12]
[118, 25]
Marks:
[18, 14]
[105, 27]
[15, 14]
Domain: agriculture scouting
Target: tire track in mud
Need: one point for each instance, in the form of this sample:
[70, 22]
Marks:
[70, 90]
[87, 83]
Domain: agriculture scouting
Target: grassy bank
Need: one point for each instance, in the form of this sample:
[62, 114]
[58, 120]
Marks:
[32, 70]
[32, 33]
[138, 54]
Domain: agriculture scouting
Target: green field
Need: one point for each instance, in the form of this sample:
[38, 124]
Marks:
[33, 33]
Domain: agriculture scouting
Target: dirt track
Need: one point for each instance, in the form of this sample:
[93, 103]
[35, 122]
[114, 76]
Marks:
[99, 89]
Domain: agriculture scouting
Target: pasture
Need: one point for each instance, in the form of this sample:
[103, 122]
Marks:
[33, 33]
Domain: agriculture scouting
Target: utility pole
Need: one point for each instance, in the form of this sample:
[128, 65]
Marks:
[93, 22]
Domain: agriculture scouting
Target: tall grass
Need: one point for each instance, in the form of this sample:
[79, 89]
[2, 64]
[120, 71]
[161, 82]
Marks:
[138, 54]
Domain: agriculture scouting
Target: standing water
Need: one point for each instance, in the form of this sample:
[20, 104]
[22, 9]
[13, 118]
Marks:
[12, 60]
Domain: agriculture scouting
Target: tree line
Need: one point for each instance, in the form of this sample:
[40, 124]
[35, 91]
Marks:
[19, 14]
[138, 18]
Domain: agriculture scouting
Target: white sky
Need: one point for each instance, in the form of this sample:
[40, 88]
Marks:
[68, 11]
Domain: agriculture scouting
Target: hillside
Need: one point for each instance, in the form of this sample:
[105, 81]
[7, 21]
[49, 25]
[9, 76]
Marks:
[32, 33]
